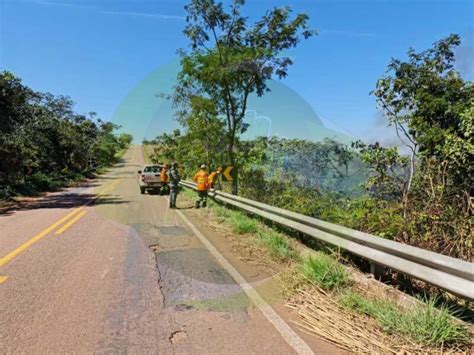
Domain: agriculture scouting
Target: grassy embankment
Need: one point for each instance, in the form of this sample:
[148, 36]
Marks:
[320, 289]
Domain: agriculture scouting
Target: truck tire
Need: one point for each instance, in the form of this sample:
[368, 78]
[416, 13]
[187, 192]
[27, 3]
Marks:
[142, 190]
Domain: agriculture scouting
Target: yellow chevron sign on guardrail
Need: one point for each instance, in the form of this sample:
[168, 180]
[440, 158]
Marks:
[229, 172]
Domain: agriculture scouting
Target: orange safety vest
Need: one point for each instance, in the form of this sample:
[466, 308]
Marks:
[202, 180]
[164, 175]
[212, 177]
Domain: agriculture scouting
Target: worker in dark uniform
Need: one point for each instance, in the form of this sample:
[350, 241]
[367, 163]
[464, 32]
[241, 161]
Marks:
[175, 178]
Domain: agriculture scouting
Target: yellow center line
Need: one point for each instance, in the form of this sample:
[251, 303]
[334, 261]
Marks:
[36, 238]
[3, 278]
[104, 192]
[110, 188]
[10, 256]
[70, 223]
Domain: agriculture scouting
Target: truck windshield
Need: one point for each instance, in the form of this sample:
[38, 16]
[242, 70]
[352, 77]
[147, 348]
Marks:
[152, 169]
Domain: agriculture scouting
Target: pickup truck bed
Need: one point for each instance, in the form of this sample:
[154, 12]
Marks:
[149, 178]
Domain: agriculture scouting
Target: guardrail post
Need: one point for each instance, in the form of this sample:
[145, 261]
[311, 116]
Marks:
[376, 270]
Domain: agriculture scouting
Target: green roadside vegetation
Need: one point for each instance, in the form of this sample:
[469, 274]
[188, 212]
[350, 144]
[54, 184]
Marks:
[426, 325]
[420, 197]
[278, 245]
[326, 271]
[45, 145]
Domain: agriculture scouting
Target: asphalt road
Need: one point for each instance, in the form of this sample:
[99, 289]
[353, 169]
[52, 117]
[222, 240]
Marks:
[102, 268]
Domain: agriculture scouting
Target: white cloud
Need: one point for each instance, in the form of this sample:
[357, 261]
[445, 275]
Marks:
[61, 3]
[144, 14]
[73, 4]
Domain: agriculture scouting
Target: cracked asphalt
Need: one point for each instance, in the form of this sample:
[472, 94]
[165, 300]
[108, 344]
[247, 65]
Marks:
[125, 276]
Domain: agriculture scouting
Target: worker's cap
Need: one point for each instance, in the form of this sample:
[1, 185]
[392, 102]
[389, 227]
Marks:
[203, 166]
[219, 169]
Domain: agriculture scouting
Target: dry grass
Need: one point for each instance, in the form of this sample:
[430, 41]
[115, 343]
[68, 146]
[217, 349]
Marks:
[320, 314]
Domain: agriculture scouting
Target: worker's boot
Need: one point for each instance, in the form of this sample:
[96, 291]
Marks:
[197, 204]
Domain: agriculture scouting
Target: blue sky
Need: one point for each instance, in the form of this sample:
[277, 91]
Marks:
[96, 51]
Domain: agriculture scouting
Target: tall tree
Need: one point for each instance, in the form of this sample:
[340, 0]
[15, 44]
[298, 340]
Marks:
[231, 58]
[431, 106]
[425, 99]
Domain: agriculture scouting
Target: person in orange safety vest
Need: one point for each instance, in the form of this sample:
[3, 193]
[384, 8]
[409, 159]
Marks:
[164, 178]
[214, 180]
[202, 180]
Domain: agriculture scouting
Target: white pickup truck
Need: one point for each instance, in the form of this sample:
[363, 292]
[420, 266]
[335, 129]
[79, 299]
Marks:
[149, 178]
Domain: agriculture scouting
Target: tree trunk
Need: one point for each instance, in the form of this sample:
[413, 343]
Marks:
[230, 152]
[410, 180]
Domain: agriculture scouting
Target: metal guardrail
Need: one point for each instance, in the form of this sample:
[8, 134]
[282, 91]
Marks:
[453, 275]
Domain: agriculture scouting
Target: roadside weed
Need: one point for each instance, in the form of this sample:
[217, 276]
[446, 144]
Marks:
[425, 324]
[278, 246]
[242, 224]
[221, 212]
[325, 271]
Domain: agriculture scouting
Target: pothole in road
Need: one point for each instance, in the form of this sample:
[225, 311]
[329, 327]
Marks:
[192, 277]
[171, 237]
[173, 231]
[164, 237]
[178, 337]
